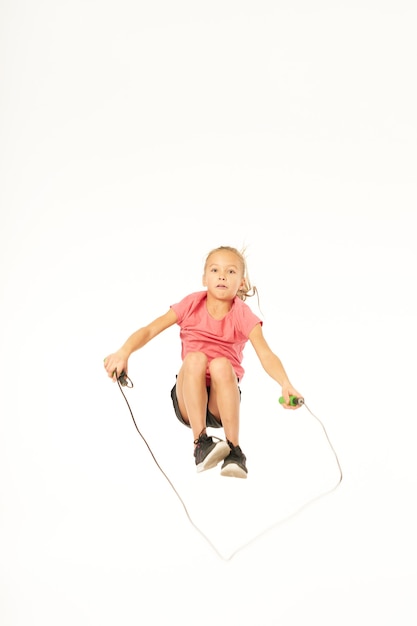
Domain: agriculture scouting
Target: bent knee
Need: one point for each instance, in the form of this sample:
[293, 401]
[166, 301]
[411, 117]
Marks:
[221, 369]
[195, 361]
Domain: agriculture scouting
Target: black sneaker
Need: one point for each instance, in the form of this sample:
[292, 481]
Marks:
[235, 463]
[208, 453]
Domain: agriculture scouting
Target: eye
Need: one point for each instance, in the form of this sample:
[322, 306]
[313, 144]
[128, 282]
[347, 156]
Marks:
[213, 269]
[232, 271]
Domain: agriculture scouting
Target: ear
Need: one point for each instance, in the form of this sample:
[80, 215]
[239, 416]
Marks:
[203, 281]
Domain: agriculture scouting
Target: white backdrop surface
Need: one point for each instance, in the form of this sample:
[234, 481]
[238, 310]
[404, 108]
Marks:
[135, 137]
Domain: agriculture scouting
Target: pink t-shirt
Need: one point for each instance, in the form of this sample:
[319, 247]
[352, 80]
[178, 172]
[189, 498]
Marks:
[202, 333]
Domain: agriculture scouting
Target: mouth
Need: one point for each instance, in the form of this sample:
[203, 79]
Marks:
[221, 286]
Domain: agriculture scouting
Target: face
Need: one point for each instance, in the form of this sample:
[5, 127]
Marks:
[223, 275]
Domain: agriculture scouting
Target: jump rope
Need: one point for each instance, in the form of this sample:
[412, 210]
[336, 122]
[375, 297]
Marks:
[124, 381]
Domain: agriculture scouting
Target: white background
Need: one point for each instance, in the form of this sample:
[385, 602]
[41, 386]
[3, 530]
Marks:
[135, 137]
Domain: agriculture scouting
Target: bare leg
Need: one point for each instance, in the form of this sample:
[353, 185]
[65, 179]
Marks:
[224, 401]
[192, 391]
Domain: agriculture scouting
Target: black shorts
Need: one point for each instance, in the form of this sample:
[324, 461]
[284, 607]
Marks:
[211, 421]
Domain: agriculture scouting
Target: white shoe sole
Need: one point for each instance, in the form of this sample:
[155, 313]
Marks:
[219, 453]
[233, 470]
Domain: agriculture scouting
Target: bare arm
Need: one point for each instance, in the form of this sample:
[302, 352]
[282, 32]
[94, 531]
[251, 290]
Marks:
[116, 363]
[272, 364]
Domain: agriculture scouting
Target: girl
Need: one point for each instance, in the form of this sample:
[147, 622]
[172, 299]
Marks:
[215, 325]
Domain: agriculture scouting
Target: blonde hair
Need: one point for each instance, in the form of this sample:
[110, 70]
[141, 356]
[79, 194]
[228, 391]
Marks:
[247, 290]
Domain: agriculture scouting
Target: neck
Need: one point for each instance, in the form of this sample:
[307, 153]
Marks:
[218, 308]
